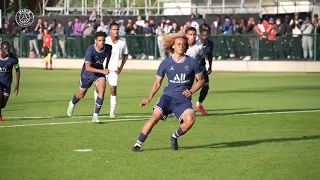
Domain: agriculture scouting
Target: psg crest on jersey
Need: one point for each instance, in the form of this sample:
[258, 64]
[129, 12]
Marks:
[187, 68]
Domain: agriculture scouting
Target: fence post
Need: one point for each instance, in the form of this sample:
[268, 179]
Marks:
[258, 36]
[20, 44]
[155, 46]
[315, 46]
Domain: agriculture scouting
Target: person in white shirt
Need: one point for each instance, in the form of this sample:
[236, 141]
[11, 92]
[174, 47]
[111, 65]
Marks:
[102, 28]
[194, 47]
[119, 52]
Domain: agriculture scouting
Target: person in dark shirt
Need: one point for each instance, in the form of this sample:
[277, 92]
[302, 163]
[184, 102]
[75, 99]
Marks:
[207, 49]
[149, 41]
[93, 72]
[175, 28]
[7, 62]
[280, 33]
[181, 71]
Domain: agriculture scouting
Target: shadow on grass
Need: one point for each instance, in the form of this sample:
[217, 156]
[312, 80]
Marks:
[243, 143]
[268, 89]
[268, 111]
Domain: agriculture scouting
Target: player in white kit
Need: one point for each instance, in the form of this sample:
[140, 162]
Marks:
[194, 47]
[119, 52]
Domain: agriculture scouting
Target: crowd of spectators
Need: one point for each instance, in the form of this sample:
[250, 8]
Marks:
[273, 38]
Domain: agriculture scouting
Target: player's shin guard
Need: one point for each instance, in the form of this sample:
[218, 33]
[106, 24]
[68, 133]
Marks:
[46, 65]
[113, 104]
[141, 140]
[203, 95]
[178, 133]
[99, 103]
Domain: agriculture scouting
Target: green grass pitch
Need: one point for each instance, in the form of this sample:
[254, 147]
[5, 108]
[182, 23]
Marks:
[260, 126]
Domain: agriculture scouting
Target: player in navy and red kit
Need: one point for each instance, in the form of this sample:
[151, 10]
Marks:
[181, 71]
[93, 72]
[207, 48]
[7, 62]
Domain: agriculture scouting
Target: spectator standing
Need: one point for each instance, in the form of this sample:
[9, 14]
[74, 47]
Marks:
[307, 30]
[77, 32]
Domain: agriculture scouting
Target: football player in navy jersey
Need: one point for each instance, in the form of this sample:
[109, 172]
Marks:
[93, 72]
[207, 48]
[7, 62]
[181, 71]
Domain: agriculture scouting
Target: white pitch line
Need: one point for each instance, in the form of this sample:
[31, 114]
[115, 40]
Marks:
[82, 150]
[77, 117]
[77, 122]
[139, 118]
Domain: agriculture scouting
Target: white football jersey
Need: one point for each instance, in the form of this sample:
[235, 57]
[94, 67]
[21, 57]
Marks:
[118, 50]
[195, 50]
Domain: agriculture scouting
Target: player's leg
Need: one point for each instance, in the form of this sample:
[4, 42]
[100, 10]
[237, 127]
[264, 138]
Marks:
[46, 56]
[95, 92]
[50, 58]
[113, 81]
[203, 94]
[4, 97]
[101, 86]
[186, 115]
[84, 86]
[160, 111]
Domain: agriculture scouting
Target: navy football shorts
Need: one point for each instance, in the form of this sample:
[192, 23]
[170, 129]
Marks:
[86, 82]
[5, 88]
[178, 107]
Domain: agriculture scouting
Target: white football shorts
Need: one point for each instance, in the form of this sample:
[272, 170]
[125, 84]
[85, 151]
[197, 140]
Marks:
[112, 78]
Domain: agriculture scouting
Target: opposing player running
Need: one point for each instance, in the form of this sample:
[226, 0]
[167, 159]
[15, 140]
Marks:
[119, 52]
[181, 71]
[207, 54]
[93, 72]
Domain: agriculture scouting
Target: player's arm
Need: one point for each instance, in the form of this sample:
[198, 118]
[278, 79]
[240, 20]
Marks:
[17, 68]
[156, 85]
[125, 53]
[89, 68]
[88, 62]
[200, 54]
[200, 81]
[123, 62]
[155, 88]
[210, 57]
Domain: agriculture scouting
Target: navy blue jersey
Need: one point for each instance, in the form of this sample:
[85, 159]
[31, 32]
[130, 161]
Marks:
[96, 58]
[207, 52]
[180, 75]
[6, 66]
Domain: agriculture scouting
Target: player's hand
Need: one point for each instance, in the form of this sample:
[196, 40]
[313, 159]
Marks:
[105, 71]
[42, 49]
[118, 71]
[16, 90]
[187, 93]
[209, 70]
[145, 102]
